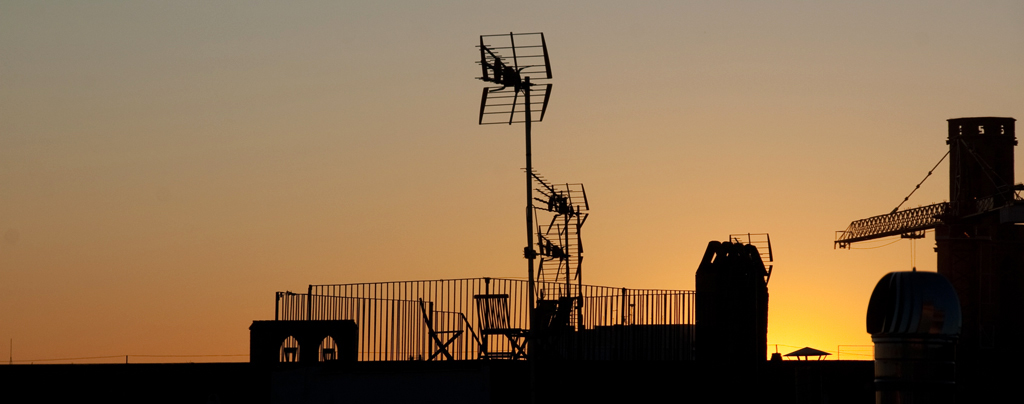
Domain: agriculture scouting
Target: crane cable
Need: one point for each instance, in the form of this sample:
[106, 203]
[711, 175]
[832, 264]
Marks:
[985, 168]
[919, 184]
[880, 246]
[913, 255]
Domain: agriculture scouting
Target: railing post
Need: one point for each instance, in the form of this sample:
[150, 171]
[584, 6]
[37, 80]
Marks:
[622, 310]
[484, 346]
[309, 303]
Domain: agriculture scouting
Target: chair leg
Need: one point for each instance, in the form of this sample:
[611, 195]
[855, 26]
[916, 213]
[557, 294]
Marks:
[518, 350]
[443, 348]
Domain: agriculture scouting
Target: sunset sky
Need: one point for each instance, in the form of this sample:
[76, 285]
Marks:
[165, 167]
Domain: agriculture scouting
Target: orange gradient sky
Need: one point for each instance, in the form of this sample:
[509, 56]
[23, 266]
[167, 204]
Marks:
[165, 167]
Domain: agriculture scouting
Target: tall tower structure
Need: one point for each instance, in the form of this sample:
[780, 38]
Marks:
[980, 248]
[980, 244]
[980, 164]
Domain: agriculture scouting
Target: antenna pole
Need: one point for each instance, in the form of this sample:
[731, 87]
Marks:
[529, 251]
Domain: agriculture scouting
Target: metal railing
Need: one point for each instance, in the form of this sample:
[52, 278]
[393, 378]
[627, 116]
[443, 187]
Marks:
[412, 320]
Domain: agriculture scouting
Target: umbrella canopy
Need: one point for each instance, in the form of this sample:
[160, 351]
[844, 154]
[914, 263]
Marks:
[807, 351]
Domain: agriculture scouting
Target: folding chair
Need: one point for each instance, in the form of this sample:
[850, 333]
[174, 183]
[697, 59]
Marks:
[492, 312]
[442, 348]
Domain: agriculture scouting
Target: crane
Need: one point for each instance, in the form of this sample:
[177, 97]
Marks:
[979, 246]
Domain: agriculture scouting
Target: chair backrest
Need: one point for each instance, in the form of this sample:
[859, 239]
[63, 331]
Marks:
[492, 311]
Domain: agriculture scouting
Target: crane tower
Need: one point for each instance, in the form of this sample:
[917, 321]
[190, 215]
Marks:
[979, 244]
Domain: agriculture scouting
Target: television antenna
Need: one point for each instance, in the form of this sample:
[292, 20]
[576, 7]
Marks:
[510, 60]
[529, 58]
[560, 241]
[560, 245]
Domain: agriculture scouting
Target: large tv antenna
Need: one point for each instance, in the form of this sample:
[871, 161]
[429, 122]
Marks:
[510, 60]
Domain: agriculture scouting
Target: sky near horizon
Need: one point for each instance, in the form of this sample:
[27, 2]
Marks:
[165, 167]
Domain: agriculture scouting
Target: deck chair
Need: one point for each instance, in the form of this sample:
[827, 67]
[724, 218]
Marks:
[442, 348]
[492, 312]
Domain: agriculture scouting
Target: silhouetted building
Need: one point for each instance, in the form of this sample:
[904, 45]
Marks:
[980, 249]
[732, 304]
[303, 341]
[732, 319]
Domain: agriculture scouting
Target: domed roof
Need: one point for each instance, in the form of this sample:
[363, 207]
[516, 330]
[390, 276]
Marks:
[914, 303]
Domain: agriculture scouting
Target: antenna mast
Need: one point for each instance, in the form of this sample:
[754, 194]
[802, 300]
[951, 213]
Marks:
[512, 73]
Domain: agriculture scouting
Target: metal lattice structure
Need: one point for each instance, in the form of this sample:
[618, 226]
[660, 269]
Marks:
[763, 243]
[559, 240]
[512, 60]
[908, 223]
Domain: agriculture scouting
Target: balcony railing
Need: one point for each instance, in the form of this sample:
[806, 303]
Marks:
[439, 320]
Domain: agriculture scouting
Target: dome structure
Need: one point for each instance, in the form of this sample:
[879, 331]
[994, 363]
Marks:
[914, 303]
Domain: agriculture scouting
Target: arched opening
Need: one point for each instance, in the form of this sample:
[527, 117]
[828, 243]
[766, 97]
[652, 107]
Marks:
[328, 349]
[290, 350]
